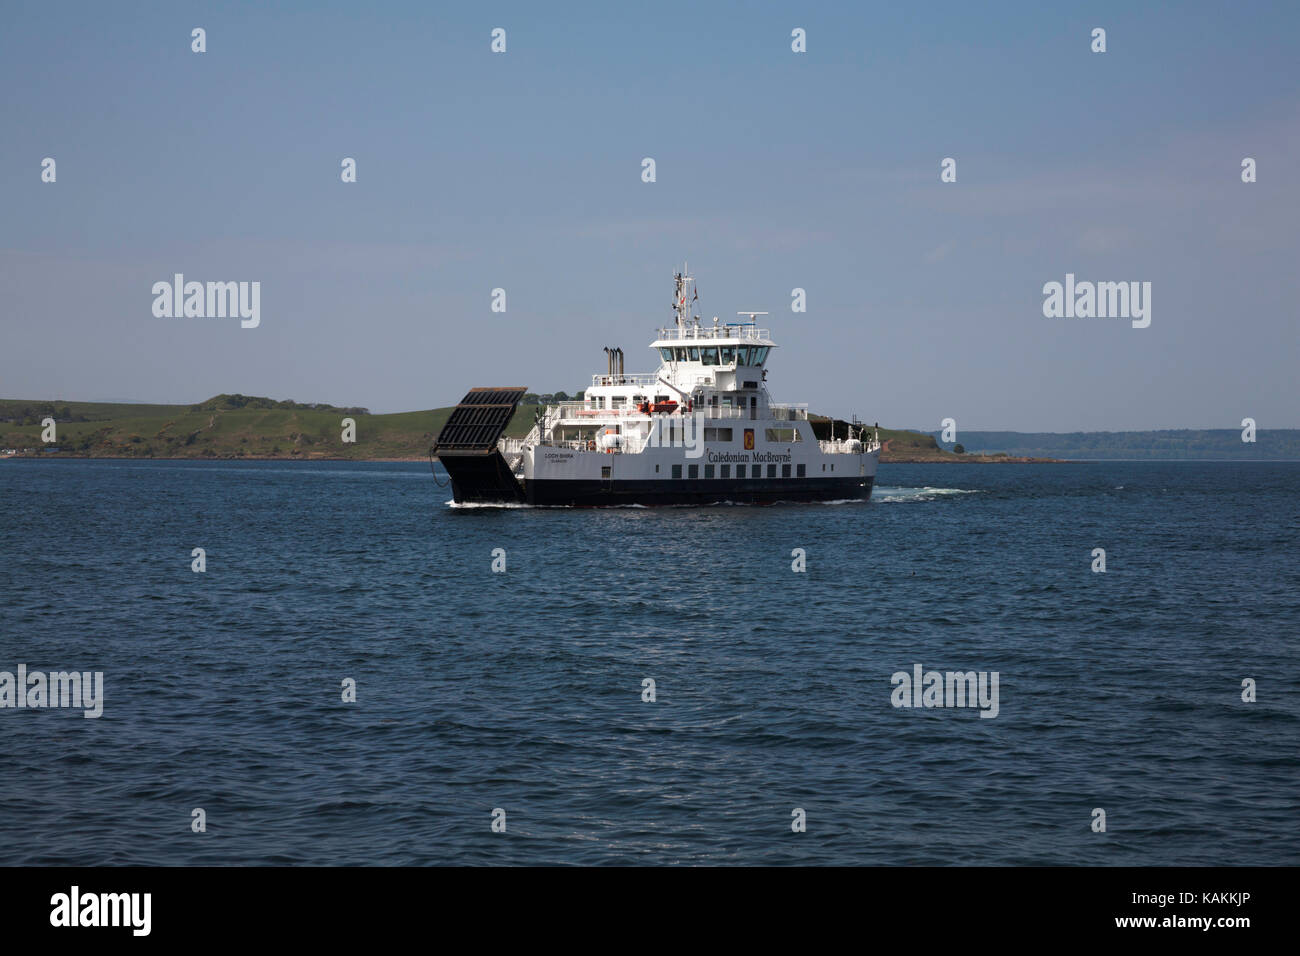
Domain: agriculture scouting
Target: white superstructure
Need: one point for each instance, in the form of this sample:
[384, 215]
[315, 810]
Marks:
[701, 428]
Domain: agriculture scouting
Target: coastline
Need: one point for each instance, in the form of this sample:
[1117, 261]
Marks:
[950, 459]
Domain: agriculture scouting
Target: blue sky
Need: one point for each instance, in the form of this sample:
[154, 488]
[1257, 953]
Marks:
[775, 170]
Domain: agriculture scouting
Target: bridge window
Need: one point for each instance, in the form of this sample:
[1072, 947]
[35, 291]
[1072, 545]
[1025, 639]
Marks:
[728, 355]
[680, 353]
[759, 355]
[667, 354]
[693, 353]
[709, 355]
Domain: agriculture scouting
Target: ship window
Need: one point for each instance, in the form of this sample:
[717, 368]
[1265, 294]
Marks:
[745, 355]
[726, 471]
[785, 471]
[760, 354]
[681, 354]
[693, 471]
[667, 354]
[728, 355]
[717, 434]
[693, 353]
[710, 355]
[782, 436]
[605, 471]
[740, 471]
[677, 471]
[657, 469]
[708, 471]
[802, 471]
[771, 471]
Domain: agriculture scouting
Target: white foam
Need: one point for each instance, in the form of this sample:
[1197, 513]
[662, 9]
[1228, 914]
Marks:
[927, 493]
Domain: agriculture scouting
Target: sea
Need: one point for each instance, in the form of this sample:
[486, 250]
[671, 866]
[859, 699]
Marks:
[363, 674]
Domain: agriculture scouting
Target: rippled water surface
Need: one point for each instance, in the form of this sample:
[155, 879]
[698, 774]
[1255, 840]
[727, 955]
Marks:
[523, 690]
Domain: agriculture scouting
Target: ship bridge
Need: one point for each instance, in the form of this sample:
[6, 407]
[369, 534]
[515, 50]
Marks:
[717, 369]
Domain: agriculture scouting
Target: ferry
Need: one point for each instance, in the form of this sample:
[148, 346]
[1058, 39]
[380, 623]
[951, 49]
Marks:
[700, 430]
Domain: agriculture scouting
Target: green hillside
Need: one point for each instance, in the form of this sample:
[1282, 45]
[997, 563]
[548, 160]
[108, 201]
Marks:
[242, 426]
[225, 427]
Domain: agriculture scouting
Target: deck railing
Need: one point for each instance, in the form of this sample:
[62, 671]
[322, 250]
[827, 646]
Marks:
[746, 332]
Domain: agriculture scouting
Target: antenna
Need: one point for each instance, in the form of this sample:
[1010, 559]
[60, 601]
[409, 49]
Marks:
[681, 297]
[751, 315]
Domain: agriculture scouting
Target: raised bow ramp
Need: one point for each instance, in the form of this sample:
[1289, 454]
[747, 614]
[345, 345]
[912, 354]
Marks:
[467, 446]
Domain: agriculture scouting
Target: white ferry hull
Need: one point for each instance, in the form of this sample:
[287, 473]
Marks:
[702, 429]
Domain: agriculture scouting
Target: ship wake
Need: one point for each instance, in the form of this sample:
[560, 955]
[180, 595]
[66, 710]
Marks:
[888, 494]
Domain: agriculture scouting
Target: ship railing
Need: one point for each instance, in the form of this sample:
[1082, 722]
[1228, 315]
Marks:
[571, 410]
[782, 412]
[638, 378]
[847, 446]
[746, 332]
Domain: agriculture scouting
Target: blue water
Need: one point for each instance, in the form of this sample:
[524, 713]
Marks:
[522, 690]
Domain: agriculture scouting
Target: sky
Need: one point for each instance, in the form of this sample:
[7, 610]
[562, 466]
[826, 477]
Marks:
[774, 170]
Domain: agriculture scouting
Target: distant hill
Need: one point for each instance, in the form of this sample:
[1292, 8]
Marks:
[248, 426]
[226, 426]
[1273, 444]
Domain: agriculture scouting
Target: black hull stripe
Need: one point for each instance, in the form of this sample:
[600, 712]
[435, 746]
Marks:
[604, 494]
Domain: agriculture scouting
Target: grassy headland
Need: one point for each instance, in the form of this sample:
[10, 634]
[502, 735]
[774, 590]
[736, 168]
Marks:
[240, 426]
